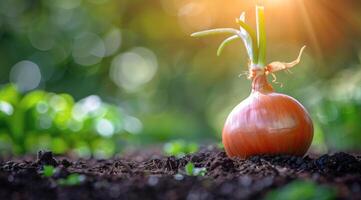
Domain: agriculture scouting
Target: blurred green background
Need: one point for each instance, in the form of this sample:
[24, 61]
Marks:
[96, 77]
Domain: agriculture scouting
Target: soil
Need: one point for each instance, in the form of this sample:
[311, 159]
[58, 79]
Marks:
[160, 177]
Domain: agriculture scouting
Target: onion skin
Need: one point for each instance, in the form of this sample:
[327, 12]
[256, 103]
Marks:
[267, 122]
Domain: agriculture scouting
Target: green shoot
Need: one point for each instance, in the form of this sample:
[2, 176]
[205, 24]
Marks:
[71, 180]
[215, 32]
[48, 171]
[251, 35]
[226, 42]
[255, 42]
[191, 170]
[261, 36]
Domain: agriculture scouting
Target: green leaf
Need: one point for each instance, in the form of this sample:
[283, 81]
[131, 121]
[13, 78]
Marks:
[48, 171]
[225, 42]
[255, 43]
[261, 36]
[215, 32]
[189, 168]
[10, 93]
[249, 38]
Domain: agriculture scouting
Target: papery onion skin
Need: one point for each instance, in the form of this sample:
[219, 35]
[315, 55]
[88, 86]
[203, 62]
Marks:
[267, 123]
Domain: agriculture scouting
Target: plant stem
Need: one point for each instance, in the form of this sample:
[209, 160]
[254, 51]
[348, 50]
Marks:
[261, 36]
[251, 33]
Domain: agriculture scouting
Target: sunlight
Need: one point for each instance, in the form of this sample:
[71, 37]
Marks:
[269, 3]
[310, 30]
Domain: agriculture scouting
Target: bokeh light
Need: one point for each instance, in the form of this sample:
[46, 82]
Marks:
[26, 75]
[88, 49]
[133, 69]
[6, 108]
[133, 125]
[112, 41]
[105, 128]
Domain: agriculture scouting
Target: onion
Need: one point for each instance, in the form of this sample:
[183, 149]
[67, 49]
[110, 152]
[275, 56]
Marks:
[266, 122]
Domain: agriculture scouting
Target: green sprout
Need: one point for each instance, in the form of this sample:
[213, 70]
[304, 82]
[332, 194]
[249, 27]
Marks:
[71, 180]
[255, 42]
[180, 148]
[299, 190]
[191, 170]
[48, 170]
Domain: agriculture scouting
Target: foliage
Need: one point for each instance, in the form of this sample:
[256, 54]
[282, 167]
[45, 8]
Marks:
[40, 119]
[336, 110]
[180, 148]
[302, 190]
[70, 180]
[48, 171]
[191, 170]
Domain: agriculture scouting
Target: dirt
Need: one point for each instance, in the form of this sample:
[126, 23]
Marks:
[160, 177]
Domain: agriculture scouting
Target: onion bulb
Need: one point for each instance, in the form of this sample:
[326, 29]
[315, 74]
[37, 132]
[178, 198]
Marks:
[266, 122]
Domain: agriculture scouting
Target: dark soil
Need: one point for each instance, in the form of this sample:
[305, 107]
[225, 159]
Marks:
[160, 177]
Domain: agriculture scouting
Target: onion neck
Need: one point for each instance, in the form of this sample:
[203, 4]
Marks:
[260, 82]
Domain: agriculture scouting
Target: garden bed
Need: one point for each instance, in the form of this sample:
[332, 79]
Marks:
[158, 177]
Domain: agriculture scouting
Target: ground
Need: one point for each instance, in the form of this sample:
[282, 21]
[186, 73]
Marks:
[159, 177]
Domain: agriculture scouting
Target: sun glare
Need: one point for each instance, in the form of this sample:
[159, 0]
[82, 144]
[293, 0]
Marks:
[321, 25]
[270, 3]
